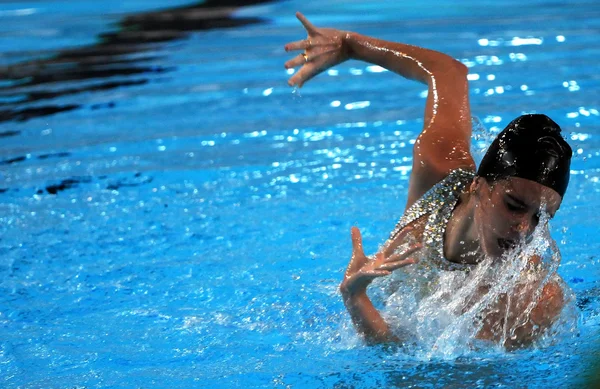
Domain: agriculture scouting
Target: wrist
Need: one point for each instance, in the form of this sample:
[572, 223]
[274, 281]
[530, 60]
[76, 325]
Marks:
[350, 294]
[348, 40]
[357, 301]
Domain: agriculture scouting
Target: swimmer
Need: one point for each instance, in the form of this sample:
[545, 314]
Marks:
[456, 213]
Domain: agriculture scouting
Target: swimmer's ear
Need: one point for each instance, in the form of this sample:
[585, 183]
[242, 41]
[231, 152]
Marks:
[475, 185]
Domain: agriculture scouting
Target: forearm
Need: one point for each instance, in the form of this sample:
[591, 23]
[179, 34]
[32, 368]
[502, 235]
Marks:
[409, 61]
[367, 319]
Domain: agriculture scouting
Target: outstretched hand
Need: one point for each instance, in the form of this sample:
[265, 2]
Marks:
[323, 48]
[361, 271]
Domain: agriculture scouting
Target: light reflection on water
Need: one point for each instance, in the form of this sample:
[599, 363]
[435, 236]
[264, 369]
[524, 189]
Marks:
[202, 226]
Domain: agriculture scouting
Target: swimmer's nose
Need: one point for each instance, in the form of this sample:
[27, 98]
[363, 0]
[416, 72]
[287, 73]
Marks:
[525, 228]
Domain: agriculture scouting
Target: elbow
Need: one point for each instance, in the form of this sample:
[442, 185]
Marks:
[450, 67]
[460, 67]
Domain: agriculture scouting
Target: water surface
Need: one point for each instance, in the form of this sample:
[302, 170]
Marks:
[172, 214]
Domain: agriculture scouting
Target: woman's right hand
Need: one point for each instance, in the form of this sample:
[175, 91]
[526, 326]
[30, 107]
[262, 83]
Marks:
[323, 48]
[361, 271]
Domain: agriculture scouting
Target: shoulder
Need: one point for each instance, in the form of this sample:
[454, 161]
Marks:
[425, 177]
[550, 304]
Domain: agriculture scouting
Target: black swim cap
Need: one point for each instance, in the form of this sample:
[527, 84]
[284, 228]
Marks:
[530, 147]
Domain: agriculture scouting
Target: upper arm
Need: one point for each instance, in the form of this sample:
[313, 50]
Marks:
[549, 306]
[545, 312]
[444, 143]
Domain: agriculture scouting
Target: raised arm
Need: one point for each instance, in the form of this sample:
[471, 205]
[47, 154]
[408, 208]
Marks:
[443, 145]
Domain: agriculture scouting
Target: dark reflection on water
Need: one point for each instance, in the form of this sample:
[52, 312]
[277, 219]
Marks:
[108, 58]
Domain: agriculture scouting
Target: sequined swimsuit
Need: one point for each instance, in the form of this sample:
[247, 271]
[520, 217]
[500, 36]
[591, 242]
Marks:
[438, 202]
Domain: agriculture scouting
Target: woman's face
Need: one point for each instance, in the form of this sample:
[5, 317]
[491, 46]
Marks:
[508, 211]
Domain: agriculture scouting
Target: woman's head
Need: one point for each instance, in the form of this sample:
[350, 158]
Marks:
[508, 210]
[530, 147]
[525, 172]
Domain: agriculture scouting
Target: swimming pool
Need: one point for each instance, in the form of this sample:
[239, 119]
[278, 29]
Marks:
[173, 215]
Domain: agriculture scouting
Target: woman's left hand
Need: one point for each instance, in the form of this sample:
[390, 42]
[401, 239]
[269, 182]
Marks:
[323, 48]
[361, 270]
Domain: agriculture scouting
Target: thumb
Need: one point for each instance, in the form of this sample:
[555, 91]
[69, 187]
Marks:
[357, 247]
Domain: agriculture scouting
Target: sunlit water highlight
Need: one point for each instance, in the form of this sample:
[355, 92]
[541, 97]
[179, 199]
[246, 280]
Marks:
[190, 225]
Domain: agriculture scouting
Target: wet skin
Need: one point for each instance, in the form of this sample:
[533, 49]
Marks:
[488, 220]
[492, 218]
[508, 211]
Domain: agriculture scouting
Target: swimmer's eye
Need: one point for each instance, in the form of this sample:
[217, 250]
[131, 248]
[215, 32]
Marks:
[513, 206]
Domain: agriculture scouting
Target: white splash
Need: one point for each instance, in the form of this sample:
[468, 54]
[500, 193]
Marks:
[447, 314]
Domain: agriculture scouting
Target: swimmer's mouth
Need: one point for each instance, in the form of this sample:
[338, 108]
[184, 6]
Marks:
[507, 244]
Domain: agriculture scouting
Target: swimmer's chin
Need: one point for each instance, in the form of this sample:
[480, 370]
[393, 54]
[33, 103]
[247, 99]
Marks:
[471, 258]
[501, 248]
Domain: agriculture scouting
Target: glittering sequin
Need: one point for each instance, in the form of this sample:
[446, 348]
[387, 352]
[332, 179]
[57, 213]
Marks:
[438, 202]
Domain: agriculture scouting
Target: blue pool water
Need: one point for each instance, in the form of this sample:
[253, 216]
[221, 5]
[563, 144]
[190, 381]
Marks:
[173, 215]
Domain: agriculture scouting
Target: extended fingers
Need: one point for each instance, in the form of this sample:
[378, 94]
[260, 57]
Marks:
[298, 60]
[298, 45]
[376, 273]
[391, 266]
[400, 256]
[356, 237]
[368, 275]
[307, 25]
[397, 240]
[304, 74]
